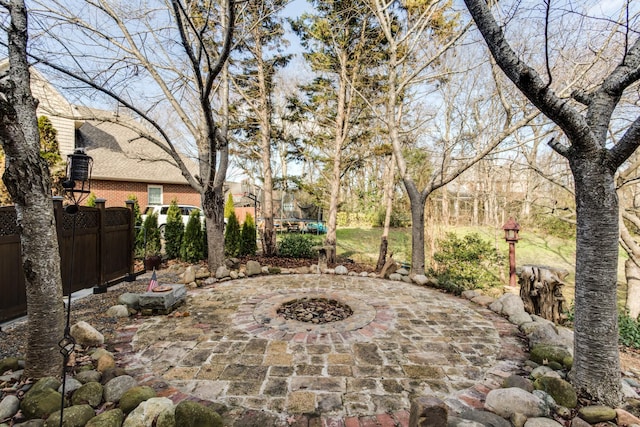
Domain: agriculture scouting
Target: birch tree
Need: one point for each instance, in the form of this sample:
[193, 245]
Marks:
[584, 120]
[26, 177]
[162, 63]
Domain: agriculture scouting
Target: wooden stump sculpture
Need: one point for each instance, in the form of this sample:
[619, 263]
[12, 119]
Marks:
[541, 291]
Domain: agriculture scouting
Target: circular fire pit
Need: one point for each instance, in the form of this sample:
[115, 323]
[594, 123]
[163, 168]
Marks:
[315, 310]
[334, 311]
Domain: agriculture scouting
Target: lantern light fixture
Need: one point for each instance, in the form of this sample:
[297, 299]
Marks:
[77, 186]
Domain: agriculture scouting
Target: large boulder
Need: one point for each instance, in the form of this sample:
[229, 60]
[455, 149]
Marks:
[149, 411]
[89, 376]
[40, 403]
[511, 305]
[130, 299]
[341, 270]
[192, 414]
[135, 396]
[544, 353]
[119, 310]
[112, 418]
[253, 268]
[73, 416]
[86, 335]
[9, 406]
[508, 401]
[597, 414]
[542, 422]
[222, 272]
[90, 393]
[9, 364]
[115, 388]
[562, 392]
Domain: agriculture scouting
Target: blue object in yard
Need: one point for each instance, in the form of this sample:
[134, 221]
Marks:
[315, 228]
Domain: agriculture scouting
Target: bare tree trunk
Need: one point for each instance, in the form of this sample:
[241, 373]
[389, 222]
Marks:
[388, 203]
[418, 201]
[596, 369]
[27, 179]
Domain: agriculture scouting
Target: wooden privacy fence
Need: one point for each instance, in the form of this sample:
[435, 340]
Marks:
[103, 251]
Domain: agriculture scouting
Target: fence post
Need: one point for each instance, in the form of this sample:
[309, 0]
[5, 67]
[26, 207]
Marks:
[101, 287]
[131, 277]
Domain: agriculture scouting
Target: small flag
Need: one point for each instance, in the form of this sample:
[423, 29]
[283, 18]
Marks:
[153, 282]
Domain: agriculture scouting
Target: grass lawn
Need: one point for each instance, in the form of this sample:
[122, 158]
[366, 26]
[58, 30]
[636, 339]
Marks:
[534, 247]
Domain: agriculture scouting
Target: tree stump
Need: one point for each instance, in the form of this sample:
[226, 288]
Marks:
[541, 291]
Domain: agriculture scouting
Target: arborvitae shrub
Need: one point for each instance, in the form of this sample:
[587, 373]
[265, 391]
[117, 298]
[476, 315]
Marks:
[138, 246]
[91, 200]
[228, 206]
[192, 249]
[232, 236]
[173, 231]
[150, 227]
[248, 245]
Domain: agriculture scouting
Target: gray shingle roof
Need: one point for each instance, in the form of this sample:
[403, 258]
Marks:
[119, 154]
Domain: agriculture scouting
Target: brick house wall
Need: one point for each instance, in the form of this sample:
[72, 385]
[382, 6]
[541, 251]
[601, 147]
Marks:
[117, 192]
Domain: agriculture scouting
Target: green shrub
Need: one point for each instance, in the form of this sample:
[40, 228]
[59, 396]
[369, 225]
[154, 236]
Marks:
[232, 236]
[629, 330]
[138, 246]
[192, 248]
[91, 200]
[173, 231]
[466, 263]
[228, 207]
[297, 246]
[151, 234]
[248, 245]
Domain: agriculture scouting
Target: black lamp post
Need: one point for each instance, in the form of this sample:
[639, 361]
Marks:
[511, 229]
[77, 187]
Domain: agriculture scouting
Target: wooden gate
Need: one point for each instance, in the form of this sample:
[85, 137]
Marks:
[96, 242]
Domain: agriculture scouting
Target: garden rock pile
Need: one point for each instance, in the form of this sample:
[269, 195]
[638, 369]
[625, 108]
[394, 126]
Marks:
[98, 395]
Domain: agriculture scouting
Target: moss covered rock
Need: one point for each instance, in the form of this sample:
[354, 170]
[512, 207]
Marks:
[112, 418]
[73, 416]
[89, 393]
[562, 392]
[192, 414]
[544, 354]
[40, 403]
[9, 364]
[597, 414]
[135, 396]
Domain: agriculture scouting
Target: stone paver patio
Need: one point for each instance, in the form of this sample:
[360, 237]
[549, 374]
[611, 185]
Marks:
[402, 341]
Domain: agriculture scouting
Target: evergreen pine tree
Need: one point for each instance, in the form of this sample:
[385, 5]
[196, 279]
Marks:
[192, 249]
[138, 246]
[173, 231]
[232, 236]
[248, 245]
[91, 200]
[150, 227]
[228, 207]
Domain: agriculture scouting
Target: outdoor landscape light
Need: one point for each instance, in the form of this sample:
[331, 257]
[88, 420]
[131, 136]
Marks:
[78, 183]
[511, 229]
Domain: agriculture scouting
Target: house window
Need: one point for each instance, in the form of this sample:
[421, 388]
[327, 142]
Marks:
[155, 194]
